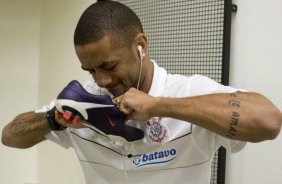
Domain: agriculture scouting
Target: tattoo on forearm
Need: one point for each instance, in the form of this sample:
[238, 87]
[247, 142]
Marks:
[24, 125]
[234, 119]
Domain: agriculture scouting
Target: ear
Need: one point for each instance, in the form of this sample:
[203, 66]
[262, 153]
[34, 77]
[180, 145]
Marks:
[141, 40]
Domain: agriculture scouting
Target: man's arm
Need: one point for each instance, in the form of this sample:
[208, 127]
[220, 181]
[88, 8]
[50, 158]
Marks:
[25, 130]
[241, 116]
[29, 128]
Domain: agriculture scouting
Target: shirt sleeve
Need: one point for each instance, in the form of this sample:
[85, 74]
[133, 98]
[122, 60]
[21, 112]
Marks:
[233, 146]
[201, 85]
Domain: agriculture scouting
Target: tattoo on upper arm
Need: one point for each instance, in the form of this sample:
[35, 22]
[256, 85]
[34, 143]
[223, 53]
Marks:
[26, 124]
[235, 115]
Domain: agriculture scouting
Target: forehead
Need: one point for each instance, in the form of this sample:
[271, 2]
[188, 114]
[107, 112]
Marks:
[103, 51]
[100, 52]
[100, 48]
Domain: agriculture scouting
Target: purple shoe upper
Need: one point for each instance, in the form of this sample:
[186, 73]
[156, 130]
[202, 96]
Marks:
[102, 113]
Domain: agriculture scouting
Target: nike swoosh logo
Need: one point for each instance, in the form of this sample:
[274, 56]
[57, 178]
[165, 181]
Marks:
[111, 122]
[79, 106]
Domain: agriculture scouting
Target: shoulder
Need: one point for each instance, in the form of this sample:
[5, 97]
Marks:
[174, 79]
[181, 85]
[194, 85]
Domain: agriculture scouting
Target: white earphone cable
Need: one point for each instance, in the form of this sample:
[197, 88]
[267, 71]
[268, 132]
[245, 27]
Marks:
[140, 66]
[140, 72]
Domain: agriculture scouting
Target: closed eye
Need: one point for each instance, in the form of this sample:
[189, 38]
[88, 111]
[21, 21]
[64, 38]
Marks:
[109, 67]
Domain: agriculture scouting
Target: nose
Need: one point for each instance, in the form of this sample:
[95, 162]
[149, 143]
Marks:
[102, 78]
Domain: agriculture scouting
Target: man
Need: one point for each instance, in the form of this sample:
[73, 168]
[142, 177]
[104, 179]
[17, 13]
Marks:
[184, 119]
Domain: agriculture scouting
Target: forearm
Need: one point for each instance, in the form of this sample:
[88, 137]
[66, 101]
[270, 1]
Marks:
[25, 130]
[241, 116]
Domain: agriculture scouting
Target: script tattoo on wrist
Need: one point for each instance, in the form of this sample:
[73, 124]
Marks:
[26, 124]
[235, 115]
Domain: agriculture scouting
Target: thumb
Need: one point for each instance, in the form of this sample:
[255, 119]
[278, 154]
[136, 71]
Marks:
[125, 110]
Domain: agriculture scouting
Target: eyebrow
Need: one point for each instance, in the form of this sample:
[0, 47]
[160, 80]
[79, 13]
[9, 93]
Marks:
[104, 63]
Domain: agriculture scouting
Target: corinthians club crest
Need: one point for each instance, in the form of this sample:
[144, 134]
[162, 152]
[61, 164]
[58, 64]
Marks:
[156, 130]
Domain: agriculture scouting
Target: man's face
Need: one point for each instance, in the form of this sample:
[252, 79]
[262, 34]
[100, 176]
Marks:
[113, 69]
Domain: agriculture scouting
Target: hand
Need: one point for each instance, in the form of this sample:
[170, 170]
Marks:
[137, 105]
[72, 123]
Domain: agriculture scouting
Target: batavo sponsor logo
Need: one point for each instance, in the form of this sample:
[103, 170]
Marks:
[155, 158]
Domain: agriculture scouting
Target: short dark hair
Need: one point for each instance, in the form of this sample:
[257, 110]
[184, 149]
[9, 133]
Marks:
[107, 18]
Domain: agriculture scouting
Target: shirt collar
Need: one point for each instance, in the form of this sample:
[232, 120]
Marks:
[158, 82]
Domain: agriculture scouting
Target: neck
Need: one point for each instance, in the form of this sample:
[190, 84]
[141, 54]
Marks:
[146, 75]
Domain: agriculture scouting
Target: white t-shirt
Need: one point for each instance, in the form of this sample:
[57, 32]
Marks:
[172, 151]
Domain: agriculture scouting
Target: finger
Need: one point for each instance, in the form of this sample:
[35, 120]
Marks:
[131, 117]
[126, 111]
[76, 119]
[59, 118]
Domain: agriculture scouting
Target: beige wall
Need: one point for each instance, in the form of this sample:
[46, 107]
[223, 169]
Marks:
[256, 62]
[19, 68]
[58, 66]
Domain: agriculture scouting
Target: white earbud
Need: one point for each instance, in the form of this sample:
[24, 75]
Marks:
[141, 54]
[139, 47]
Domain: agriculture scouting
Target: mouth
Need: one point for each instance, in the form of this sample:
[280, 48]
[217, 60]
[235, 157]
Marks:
[116, 90]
